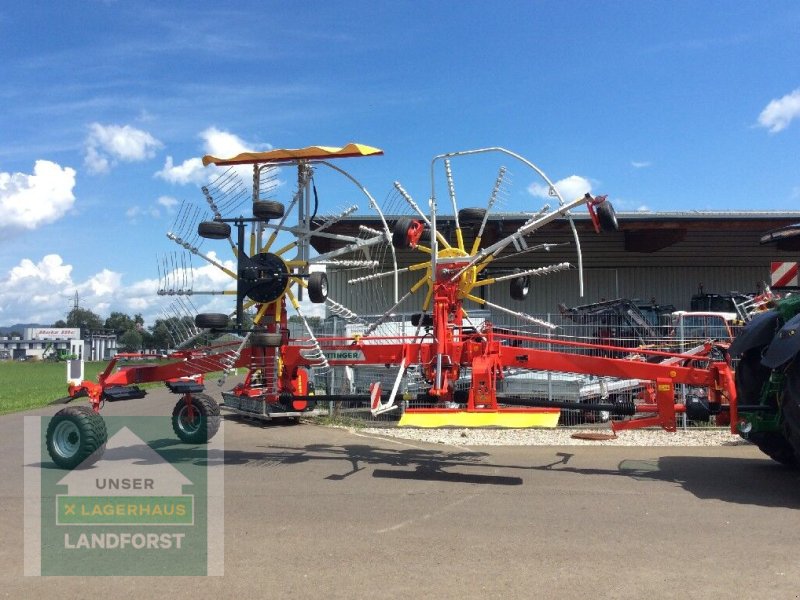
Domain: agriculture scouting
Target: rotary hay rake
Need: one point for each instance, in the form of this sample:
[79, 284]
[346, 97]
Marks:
[284, 252]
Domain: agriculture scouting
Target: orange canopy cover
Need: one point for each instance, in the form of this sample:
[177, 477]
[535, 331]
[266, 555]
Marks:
[291, 155]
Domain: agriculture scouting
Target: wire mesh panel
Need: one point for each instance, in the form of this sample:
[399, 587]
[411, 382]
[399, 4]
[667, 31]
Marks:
[607, 335]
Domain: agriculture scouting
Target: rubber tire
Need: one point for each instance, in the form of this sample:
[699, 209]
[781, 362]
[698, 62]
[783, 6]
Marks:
[92, 437]
[606, 216]
[211, 320]
[317, 287]
[422, 320]
[214, 230]
[268, 209]
[208, 415]
[471, 216]
[400, 233]
[750, 377]
[266, 340]
[520, 286]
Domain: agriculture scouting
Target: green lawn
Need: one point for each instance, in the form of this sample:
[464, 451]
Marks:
[25, 385]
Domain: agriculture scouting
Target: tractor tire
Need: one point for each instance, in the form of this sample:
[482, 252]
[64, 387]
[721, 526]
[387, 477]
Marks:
[400, 233]
[317, 287]
[214, 230]
[202, 426]
[790, 408]
[266, 340]
[76, 437]
[422, 320]
[776, 446]
[471, 216]
[268, 209]
[520, 286]
[751, 376]
[606, 216]
[211, 320]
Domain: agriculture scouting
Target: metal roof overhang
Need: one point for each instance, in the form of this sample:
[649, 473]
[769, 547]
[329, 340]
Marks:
[643, 231]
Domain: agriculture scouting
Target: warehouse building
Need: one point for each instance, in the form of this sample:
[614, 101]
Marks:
[664, 258]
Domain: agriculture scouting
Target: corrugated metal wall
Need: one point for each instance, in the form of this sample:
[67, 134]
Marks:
[717, 260]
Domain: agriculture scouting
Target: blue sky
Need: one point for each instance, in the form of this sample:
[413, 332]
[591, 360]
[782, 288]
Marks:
[661, 105]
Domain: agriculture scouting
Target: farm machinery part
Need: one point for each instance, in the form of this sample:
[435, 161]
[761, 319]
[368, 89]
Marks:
[446, 345]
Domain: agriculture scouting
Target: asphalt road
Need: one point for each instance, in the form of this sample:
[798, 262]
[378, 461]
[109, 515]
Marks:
[315, 512]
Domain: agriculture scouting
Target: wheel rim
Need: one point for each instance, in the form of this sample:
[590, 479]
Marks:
[66, 439]
[189, 424]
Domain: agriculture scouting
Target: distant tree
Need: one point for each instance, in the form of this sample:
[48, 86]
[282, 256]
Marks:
[119, 323]
[130, 341]
[60, 323]
[84, 319]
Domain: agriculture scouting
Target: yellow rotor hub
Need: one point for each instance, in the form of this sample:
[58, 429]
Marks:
[467, 279]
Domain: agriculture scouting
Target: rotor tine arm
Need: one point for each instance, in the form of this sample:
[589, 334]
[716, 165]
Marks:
[492, 199]
[513, 313]
[451, 190]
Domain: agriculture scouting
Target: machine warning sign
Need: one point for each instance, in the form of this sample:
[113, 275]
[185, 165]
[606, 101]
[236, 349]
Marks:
[145, 505]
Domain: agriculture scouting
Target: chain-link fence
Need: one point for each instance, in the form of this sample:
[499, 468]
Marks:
[610, 335]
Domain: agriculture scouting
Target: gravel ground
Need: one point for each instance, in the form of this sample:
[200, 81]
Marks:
[558, 437]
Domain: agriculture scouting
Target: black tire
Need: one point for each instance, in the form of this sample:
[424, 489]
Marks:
[268, 209]
[422, 320]
[317, 287]
[214, 230]
[202, 426]
[211, 320]
[266, 340]
[76, 436]
[606, 216]
[400, 233]
[520, 286]
[751, 376]
[471, 216]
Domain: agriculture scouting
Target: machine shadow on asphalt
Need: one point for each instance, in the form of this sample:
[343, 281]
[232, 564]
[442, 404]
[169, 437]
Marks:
[705, 477]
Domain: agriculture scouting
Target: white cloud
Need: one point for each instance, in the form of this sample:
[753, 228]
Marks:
[641, 164]
[189, 171]
[570, 188]
[777, 115]
[168, 202]
[216, 142]
[108, 144]
[134, 212]
[28, 201]
[43, 292]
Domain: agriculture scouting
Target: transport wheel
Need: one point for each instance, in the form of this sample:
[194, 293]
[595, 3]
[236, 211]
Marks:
[76, 436]
[751, 376]
[268, 209]
[422, 320]
[520, 286]
[198, 422]
[317, 287]
[400, 233]
[211, 320]
[606, 216]
[266, 340]
[213, 230]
